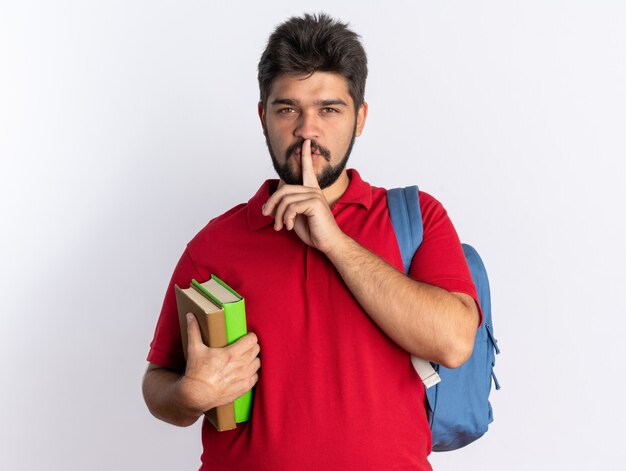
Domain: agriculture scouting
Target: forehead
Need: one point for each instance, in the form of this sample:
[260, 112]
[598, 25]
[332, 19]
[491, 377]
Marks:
[309, 88]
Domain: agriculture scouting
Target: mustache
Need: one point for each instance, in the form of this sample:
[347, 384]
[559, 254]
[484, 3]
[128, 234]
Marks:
[315, 148]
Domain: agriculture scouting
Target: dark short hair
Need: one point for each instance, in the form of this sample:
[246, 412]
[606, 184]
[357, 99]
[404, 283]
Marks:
[312, 43]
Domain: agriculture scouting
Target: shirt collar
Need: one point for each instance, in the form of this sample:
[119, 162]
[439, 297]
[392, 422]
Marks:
[358, 192]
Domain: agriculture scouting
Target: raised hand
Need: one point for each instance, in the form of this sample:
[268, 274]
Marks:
[304, 208]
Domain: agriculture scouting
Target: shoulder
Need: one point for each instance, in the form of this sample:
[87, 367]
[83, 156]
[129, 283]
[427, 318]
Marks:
[231, 219]
[232, 229]
[430, 206]
[218, 229]
[427, 200]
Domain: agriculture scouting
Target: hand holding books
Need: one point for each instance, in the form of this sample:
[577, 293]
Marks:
[216, 377]
[222, 360]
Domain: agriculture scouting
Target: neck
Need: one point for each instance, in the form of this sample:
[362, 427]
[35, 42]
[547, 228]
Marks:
[337, 189]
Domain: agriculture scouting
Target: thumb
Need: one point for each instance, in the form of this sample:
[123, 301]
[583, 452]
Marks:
[194, 336]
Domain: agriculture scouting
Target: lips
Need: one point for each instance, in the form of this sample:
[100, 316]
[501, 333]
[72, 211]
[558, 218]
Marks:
[295, 150]
[313, 152]
[314, 156]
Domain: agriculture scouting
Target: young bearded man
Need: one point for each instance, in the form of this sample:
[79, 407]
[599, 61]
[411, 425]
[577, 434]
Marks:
[334, 317]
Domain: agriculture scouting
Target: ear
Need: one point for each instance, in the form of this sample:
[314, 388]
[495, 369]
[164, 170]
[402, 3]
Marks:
[261, 112]
[361, 117]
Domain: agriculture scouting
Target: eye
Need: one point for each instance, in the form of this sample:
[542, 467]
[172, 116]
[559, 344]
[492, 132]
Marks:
[330, 110]
[286, 110]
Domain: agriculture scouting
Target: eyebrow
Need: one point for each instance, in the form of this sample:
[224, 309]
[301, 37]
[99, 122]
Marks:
[292, 102]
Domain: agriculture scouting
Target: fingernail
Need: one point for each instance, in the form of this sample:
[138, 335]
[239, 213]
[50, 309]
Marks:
[189, 316]
[263, 209]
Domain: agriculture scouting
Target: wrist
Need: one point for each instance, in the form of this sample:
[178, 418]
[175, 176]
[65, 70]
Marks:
[188, 398]
[338, 250]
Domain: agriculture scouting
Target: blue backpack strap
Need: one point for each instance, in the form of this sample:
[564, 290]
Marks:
[406, 217]
[458, 411]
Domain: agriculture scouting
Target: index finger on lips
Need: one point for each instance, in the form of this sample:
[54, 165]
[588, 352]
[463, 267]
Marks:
[308, 174]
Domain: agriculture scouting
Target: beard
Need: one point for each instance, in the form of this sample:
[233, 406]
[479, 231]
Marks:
[329, 174]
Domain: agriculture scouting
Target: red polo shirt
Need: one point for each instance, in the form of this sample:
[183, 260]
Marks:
[334, 391]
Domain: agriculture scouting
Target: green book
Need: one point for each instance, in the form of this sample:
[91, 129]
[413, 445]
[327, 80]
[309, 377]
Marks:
[221, 314]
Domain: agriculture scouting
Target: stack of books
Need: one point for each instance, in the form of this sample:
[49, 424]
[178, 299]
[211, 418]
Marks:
[221, 314]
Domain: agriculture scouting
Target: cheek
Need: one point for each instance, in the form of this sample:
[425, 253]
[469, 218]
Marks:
[346, 136]
[278, 135]
[274, 139]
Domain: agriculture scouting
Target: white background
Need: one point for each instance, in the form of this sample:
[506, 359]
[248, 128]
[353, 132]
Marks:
[121, 124]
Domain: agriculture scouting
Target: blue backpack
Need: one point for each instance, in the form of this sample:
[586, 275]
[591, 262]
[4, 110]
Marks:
[459, 411]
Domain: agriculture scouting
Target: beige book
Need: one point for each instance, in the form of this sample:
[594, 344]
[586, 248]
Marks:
[213, 327]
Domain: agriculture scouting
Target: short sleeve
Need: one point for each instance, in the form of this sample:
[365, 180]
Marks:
[439, 260]
[166, 346]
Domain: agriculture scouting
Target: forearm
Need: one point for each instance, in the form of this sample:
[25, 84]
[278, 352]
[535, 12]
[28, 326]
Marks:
[429, 322]
[164, 398]
[425, 320]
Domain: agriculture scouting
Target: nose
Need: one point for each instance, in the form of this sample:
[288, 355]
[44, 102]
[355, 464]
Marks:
[307, 126]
